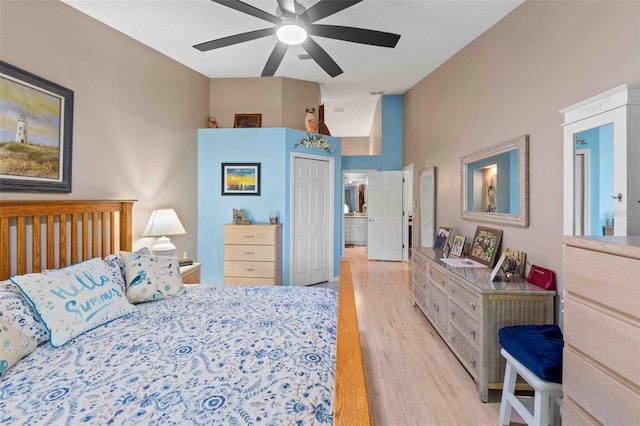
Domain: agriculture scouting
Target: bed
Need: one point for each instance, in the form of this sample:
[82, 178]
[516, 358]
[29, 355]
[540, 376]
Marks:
[208, 355]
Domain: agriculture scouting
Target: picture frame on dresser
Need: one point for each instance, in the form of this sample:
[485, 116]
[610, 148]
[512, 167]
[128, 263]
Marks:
[486, 245]
[457, 249]
[442, 238]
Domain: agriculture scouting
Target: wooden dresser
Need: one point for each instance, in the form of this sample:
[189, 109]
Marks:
[601, 328]
[252, 254]
[467, 310]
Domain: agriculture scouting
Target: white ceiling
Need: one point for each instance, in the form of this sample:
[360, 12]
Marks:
[431, 32]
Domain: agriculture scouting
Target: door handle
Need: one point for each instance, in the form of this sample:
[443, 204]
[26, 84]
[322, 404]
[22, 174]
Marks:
[617, 197]
[371, 220]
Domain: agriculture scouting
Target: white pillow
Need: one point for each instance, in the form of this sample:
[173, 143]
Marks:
[151, 277]
[75, 299]
[14, 345]
[16, 310]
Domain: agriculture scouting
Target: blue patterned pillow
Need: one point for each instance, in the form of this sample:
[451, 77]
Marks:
[115, 266]
[151, 277]
[14, 345]
[16, 310]
[75, 299]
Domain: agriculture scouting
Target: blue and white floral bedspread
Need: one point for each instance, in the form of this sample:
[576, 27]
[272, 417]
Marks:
[214, 355]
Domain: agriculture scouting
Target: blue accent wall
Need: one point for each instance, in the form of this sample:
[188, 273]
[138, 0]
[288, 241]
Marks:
[272, 148]
[391, 158]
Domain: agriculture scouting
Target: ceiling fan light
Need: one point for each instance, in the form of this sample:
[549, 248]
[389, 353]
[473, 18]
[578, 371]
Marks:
[291, 33]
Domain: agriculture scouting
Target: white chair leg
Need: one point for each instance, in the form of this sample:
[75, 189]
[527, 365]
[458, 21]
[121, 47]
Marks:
[541, 409]
[508, 387]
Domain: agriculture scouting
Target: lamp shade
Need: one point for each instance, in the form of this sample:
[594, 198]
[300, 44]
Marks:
[161, 223]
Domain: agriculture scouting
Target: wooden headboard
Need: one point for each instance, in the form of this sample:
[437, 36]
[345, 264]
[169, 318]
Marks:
[69, 230]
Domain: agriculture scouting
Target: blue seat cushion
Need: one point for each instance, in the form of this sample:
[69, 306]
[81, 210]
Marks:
[537, 347]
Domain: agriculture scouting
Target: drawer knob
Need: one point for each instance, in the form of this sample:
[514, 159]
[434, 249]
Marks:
[473, 333]
[248, 252]
[473, 305]
[248, 269]
[452, 314]
[453, 290]
[248, 236]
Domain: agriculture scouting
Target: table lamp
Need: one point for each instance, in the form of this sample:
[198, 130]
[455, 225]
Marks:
[163, 222]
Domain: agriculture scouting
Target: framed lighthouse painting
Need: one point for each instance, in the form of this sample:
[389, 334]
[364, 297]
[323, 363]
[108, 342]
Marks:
[36, 129]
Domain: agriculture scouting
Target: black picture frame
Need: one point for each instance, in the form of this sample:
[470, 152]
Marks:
[486, 245]
[240, 178]
[52, 120]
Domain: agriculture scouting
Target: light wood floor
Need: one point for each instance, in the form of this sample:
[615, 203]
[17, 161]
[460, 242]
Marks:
[412, 376]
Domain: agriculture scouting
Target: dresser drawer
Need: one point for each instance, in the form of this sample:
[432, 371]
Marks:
[598, 393]
[419, 264]
[467, 350]
[239, 234]
[419, 281]
[467, 324]
[249, 253]
[466, 299]
[420, 298]
[248, 281]
[437, 277]
[607, 279]
[249, 269]
[584, 328]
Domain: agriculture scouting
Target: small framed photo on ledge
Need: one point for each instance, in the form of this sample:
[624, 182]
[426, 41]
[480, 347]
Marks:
[247, 120]
[442, 238]
[486, 245]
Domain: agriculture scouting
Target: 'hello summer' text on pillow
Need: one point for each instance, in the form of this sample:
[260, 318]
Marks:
[75, 299]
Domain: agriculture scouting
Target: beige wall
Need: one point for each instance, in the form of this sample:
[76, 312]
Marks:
[355, 146]
[298, 95]
[375, 135]
[135, 116]
[511, 81]
[281, 101]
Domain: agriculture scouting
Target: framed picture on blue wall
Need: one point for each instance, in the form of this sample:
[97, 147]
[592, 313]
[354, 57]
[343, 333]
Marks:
[240, 178]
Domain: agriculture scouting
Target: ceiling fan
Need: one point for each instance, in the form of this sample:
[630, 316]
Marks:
[293, 24]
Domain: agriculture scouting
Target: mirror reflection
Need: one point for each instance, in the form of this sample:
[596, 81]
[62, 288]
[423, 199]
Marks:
[495, 184]
[593, 202]
[355, 194]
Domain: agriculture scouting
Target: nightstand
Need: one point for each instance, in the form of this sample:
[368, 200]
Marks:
[190, 274]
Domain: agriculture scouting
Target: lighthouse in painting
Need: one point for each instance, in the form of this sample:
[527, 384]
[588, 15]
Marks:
[21, 133]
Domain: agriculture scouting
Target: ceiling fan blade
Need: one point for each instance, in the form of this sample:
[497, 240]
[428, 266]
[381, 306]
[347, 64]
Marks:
[248, 9]
[287, 7]
[274, 60]
[321, 57]
[324, 8]
[355, 35]
[234, 39]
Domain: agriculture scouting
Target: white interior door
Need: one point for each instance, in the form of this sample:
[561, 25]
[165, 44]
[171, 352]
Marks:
[384, 214]
[312, 221]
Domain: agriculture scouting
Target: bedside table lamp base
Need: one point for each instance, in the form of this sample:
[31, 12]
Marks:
[164, 247]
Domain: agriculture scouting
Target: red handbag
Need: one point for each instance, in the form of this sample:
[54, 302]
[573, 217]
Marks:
[542, 277]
